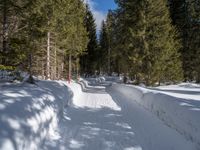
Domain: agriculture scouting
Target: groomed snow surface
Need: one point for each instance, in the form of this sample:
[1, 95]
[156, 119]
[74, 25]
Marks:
[99, 115]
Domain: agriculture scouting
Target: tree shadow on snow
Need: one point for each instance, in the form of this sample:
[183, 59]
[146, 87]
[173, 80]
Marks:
[26, 111]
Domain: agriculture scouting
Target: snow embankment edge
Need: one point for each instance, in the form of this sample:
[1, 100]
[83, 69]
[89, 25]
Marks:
[31, 113]
[171, 110]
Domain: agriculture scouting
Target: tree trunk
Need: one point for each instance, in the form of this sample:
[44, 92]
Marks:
[55, 64]
[43, 70]
[5, 32]
[77, 68]
[62, 70]
[48, 56]
[109, 61]
[70, 68]
[30, 79]
[198, 77]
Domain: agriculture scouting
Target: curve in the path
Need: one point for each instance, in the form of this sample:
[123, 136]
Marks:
[108, 121]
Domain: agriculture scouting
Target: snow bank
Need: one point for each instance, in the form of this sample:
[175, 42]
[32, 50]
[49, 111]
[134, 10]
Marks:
[29, 113]
[114, 79]
[91, 84]
[180, 112]
[6, 75]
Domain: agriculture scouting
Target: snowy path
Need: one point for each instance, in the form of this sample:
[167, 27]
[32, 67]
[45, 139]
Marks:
[107, 121]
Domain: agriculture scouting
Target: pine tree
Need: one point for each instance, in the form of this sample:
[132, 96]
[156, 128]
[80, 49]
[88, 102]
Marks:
[42, 34]
[131, 43]
[104, 47]
[115, 28]
[110, 26]
[122, 35]
[66, 34]
[74, 33]
[12, 27]
[150, 41]
[185, 16]
[163, 44]
[194, 38]
[88, 62]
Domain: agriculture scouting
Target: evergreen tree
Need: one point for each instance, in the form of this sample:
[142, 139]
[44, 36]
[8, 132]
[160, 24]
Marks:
[88, 62]
[185, 16]
[110, 26]
[104, 47]
[120, 38]
[180, 18]
[74, 37]
[41, 35]
[150, 41]
[194, 38]
[107, 39]
[115, 25]
[11, 26]
[163, 44]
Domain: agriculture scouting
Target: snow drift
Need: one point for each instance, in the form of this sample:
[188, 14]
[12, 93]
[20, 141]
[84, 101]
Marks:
[180, 112]
[28, 113]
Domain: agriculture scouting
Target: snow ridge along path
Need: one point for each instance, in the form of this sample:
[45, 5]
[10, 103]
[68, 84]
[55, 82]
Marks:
[30, 113]
[101, 118]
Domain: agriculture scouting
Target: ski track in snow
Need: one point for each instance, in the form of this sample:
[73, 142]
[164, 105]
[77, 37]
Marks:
[107, 121]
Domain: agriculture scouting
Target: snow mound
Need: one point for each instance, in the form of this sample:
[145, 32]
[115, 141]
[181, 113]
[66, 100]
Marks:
[29, 113]
[180, 111]
[9, 76]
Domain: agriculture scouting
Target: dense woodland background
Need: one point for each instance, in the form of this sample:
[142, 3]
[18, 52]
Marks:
[151, 41]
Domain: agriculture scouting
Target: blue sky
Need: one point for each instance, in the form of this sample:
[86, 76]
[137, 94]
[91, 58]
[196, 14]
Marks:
[100, 8]
[104, 5]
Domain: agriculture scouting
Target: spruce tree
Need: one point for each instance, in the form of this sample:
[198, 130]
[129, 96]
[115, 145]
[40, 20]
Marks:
[41, 35]
[150, 41]
[88, 61]
[115, 28]
[185, 16]
[104, 48]
[120, 39]
[12, 27]
[194, 38]
[74, 36]
[110, 27]
[163, 44]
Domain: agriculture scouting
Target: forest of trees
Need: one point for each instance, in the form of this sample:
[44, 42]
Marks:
[151, 41]
[42, 36]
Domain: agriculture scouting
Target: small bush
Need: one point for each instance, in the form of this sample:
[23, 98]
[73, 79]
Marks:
[8, 68]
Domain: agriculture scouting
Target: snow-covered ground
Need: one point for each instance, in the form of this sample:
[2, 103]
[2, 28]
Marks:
[105, 119]
[178, 106]
[29, 113]
[10, 76]
[100, 116]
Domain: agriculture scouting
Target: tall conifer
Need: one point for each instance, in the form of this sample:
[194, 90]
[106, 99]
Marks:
[88, 62]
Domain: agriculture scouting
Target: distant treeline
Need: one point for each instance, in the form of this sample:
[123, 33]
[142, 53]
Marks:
[151, 41]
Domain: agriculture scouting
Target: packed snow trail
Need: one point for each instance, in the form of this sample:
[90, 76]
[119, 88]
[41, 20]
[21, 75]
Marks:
[102, 119]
